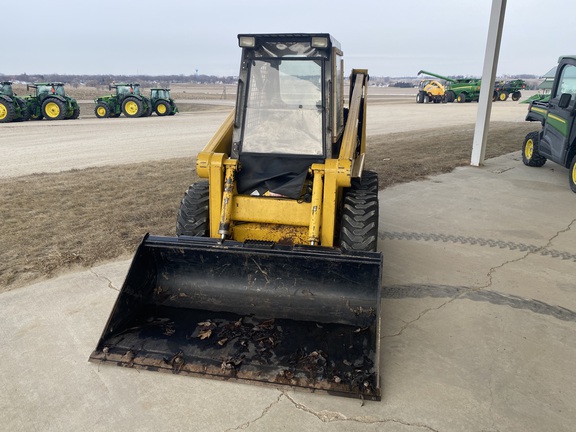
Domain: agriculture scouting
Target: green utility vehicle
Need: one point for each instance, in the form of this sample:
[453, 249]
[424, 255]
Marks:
[557, 138]
[503, 89]
[128, 101]
[461, 90]
[51, 102]
[12, 107]
[162, 103]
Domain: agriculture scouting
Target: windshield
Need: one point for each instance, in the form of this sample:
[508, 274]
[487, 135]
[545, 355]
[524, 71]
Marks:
[284, 107]
[128, 89]
[161, 94]
[6, 89]
[51, 89]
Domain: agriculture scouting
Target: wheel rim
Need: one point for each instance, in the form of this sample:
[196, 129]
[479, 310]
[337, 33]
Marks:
[52, 109]
[101, 111]
[574, 174]
[131, 107]
[502, 96]
[161, 109]
[3, 112]
[529, 149]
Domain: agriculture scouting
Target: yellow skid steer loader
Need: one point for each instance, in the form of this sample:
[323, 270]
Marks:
[273, 277]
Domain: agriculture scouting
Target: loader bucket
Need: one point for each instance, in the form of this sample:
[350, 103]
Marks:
[303, 317]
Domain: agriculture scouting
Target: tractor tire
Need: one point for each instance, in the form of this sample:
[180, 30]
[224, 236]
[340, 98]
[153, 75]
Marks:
[494, 96]
[530, 155]
[503, 96]
[24, 110]
[132, 107]
[193, 214]
[162, 108]
[75, 113]
[102, 110]
[6, 111]
[53, 109]
[420, 97]
[572, 172]
[368, 182]
[516, 96]
[426, 98]
[461, 98]
[450, 96]
[359, 225]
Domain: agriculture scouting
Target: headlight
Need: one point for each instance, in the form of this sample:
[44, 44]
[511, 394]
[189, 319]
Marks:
[247, 41]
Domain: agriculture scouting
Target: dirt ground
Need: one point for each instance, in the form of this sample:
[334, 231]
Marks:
[56, 222]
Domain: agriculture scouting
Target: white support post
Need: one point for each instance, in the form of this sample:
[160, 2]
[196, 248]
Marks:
[488, 78]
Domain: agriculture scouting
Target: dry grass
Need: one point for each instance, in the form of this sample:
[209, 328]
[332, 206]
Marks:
[57, 222]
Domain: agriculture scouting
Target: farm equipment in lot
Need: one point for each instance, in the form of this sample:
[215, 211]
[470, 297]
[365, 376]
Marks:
[161, 102]
[12, 107]
[557, 138]
[273, 277]
[430, 90]
[503, 89]
[458, 89]
[128, 100]
[51, 102]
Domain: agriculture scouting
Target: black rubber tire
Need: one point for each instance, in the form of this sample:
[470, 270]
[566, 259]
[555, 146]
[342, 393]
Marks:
[194, 214]
[420, 97]
[495, 96]
[8, 109]
[359, 225]
[461, 98]
[60, 114]
[23, 110]
[368, 182]
[75, 113]
[102, 110]
[530, 155]
[162, 108]
[572, 174]
[131, 114]
[516, 96]
[450, 96]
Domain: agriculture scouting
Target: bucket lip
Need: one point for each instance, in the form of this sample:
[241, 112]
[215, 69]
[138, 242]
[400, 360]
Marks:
[187, 242]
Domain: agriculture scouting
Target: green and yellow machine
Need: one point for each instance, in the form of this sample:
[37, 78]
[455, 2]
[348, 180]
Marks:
[128, 100]
[556, 140]
[162, 102]
[460, 90]
[12, 107]
[51, 102]
[274, 276]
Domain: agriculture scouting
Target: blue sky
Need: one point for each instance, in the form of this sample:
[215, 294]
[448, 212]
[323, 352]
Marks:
[389, 38]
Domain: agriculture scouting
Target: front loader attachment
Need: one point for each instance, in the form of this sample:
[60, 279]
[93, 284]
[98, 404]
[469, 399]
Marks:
[297, 316]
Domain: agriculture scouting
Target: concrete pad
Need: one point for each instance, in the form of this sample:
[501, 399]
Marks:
[478, 333]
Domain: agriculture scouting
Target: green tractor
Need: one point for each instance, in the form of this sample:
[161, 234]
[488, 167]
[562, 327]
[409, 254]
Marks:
[503, 89]
[128, 101]
[12, 107]
[162, 103]
[460, 90]
[51, 102]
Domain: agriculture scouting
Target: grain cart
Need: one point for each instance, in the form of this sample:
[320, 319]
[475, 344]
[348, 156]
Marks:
[51, 102]
[503, 89]
[430, 90]
[12, 107]
[128, 101]
[461, 89]
[273, 277]
[557, 138]
[161, 102]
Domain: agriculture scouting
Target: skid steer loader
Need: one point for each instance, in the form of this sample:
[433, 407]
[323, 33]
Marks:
[273, 277]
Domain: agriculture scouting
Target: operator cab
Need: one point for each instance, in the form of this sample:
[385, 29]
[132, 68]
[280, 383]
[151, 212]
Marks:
[289, 110]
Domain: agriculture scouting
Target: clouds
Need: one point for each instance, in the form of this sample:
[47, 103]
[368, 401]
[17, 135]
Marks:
[180, 37]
